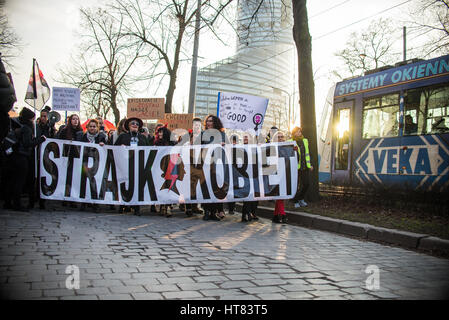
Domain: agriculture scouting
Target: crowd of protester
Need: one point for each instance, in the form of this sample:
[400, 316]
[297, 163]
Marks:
[21, 138]
[19, 167]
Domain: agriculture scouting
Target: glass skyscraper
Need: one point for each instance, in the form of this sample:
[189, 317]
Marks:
[264, 64]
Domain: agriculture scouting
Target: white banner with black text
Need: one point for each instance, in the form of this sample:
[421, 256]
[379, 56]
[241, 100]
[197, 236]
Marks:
[87, 172]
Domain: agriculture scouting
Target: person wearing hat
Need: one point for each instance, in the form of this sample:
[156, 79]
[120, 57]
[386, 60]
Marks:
[19, 162]
[132, 137]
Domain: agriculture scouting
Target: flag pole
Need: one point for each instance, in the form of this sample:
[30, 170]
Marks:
[35, 120]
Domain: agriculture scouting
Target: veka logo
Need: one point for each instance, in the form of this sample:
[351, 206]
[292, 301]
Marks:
[411, 160]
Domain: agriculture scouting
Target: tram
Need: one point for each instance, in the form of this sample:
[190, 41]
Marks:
[388, 128]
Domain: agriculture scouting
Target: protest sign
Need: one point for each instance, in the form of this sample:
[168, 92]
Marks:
[146, 108]
[178, 120]
[66, 99]
[241, 111]
[90, 173]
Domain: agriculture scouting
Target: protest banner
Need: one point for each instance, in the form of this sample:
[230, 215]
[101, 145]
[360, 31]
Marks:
[90, 173]
[178, 121]
[66, 99]
[146, 108]
[241, 111]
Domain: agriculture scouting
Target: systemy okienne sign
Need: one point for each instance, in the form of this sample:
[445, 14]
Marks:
[66, 99]
[241, 111]
[87, 172]
[408, 73]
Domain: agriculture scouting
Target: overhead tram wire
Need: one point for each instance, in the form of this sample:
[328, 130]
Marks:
[329, 9]
[279, 31]
[358, 21]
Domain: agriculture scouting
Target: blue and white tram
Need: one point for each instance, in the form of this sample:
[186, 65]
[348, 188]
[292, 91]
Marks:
[388, 128]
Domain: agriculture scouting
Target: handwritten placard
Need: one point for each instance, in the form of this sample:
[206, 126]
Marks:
[241, 111]
[146, 108]
[66, 99]
[178, 120]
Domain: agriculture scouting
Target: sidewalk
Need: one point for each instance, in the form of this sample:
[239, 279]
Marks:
[409, 240]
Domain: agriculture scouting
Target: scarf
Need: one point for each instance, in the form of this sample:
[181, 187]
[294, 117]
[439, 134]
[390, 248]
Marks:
[91, 137]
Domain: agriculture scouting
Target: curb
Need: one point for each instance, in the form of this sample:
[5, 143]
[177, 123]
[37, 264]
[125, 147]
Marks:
[409, 240]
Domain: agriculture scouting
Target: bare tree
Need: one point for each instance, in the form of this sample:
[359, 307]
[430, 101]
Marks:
[431, 18]
[102, 66]
[161, 26]
[303, 41]
[369, 49]
[10, 43]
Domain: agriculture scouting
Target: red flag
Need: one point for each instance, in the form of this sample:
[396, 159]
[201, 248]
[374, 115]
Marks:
[38, 91]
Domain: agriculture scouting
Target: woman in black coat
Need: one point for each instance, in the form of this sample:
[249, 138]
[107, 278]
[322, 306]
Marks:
[18, 163]
[92, 135]
[214, 133]
[69, 132]
[163, 139]
[132, 138]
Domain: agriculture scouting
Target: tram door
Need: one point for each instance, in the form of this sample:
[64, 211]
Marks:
[342, 142]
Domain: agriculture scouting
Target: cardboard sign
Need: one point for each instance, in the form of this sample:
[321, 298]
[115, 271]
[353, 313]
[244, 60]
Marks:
[178, 120]
[146, 108]
[66, 99]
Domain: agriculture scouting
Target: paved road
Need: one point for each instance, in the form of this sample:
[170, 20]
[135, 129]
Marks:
[153, 257]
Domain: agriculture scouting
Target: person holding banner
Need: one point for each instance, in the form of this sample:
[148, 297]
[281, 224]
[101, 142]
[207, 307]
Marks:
[214, 133]
[162, 139]
[231, 205]
[118, 132]
[92, 135]
[19, 162]
[249, 207]
[47, 129]
[304, 166]
[131, 137]
[197, 127]
[69, 132]
[279, 210]
[71, 129]
[152, 139]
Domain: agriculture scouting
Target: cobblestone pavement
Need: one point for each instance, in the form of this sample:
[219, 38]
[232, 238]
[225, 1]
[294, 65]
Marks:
[152, 257]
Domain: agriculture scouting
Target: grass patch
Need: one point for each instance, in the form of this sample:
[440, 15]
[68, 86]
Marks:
[424, 218]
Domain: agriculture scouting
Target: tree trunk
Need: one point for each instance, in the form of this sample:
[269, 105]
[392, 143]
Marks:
[114, 108]
[170, 91]
[306, 84]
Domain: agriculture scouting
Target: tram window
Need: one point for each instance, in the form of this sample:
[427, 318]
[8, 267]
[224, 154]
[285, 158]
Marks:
[342, 142]
[429, 109]
[325, 127]
[381, 116]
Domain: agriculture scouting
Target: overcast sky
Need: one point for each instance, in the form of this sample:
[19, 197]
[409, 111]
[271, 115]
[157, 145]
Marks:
[47, 29]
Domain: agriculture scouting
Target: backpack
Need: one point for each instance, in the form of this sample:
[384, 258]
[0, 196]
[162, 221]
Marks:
[10, 143]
